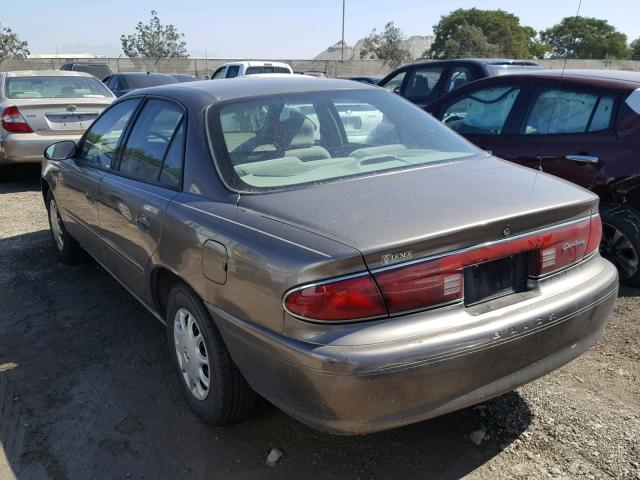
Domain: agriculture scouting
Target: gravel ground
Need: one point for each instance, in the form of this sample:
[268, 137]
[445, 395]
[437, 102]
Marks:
[87, 391]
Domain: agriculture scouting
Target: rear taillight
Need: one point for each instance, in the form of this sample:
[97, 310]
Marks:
[350, 299]
[564, 246]
[14, 122]
[439, 281]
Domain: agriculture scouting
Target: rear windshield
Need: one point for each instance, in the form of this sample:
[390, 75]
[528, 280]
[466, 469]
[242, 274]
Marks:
[507, 69]
[98, 71]
[256, 70]
[148, 80]
[283, 141]
[55, 87]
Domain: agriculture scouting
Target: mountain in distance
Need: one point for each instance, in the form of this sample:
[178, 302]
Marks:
[416, 45]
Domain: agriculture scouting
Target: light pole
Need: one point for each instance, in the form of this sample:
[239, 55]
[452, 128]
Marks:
[343, 2]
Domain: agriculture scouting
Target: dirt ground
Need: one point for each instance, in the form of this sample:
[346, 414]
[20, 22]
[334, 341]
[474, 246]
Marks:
[87, 391]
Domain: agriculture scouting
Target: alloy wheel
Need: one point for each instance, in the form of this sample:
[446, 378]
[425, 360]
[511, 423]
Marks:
[618, 249]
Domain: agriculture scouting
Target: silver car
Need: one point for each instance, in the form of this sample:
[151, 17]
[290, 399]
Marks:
[45, 106]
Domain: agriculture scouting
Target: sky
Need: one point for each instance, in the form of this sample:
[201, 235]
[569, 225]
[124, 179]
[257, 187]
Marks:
[278, 29]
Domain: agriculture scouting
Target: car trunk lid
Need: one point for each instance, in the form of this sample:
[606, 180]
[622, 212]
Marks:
[407, 215]
[55, 116]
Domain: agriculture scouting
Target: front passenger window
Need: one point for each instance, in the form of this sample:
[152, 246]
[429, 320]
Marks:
[99, 148]
[153, 152]
[483, 112]
[395, 83]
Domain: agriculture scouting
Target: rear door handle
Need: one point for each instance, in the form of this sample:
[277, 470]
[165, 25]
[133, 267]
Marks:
[89, 198]
[143, 223]
[583, 158]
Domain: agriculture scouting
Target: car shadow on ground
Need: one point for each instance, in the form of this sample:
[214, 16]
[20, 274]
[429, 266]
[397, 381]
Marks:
[24, 178]
[90, 390]
[626, 291]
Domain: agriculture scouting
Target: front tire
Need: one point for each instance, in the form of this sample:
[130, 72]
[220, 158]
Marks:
[67, 248]
[213, 385]
[621, 241]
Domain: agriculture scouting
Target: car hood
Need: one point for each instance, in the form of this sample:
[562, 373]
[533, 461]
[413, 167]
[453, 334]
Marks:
[396, 216]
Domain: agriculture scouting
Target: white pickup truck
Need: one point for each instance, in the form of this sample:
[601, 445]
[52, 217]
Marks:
[237, 69]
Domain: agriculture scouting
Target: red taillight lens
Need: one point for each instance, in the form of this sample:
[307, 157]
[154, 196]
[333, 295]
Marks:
[350, 299]
[595, 234]
[421, 285]
[14, 122]
[436, 282]
[565, 246]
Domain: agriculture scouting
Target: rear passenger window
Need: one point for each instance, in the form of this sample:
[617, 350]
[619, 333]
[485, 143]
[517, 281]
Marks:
[154, 150]
[482, 112]
[557, 111]
[99, 147]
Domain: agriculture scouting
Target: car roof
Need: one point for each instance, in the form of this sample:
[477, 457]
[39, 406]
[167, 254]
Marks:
[140, 74]
[258, 63]
[256, 85]
[47, 73]
[617, 79]
[621, 75]
[483, 61]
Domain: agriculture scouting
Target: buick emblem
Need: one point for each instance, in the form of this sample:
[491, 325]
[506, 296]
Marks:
[71, 108]
[506, 231]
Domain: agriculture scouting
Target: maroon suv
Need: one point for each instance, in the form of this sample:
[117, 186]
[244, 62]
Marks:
[583, 126]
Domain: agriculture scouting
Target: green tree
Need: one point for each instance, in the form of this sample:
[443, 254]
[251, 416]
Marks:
[386, 45]
[493, 33]
[10, 44]
[584, 37]
[154, 40]
[635, 49]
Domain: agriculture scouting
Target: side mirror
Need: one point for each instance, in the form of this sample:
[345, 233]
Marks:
[61, 150]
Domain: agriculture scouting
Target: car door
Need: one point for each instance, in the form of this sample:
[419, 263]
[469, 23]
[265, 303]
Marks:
[80, 179]
[489, 116]
[134, 195]
[570, 130]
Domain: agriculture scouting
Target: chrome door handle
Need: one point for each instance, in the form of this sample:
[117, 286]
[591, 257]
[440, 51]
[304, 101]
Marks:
[143, 223]
[583, 158]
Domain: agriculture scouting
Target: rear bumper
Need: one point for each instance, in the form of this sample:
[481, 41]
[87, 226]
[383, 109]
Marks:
[465, 357]
[27, 147]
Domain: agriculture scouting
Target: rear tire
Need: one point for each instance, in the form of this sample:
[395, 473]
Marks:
[67, 248]
[213, 385]
[621, 241]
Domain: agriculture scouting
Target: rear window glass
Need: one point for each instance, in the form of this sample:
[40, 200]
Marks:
[55, 87]
[497, 70]
[98, 71]
[146, 80]
[256, 70]
[283, 141]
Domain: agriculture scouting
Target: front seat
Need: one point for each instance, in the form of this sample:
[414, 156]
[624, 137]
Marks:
[302, 143]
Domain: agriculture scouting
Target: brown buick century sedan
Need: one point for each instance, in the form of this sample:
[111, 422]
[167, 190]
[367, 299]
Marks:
[331, 247]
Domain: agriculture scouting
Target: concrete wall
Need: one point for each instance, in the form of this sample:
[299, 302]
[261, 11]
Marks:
[201, 67]
[334, 68]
